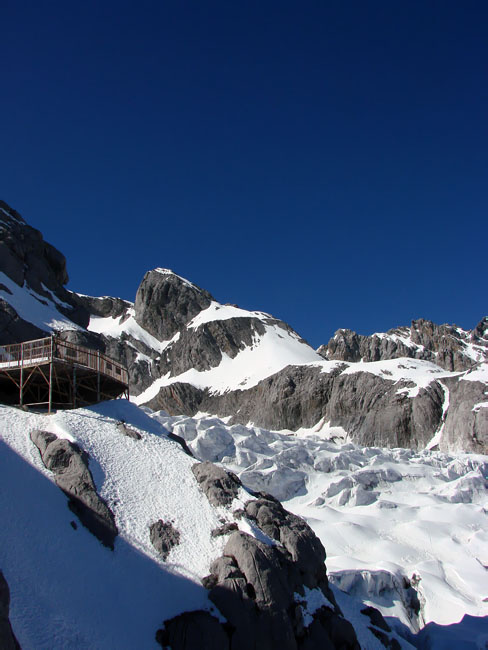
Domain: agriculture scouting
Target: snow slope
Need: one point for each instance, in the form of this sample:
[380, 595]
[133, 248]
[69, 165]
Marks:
[268, 354]
[67, 590]
[385, 516]
[34, 308]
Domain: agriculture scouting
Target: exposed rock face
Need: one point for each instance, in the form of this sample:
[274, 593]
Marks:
[164, 303]
[202, 348]
[7, 638]
[375, 414]
[26, 258]
[219, 486]
[367, 406]
[193, 631]
[466, 414]
[105, 306]
[446, 345]
[262, 588]
[164, 537]
[70, 468]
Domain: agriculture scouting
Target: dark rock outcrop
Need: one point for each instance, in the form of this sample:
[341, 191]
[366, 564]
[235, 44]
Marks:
[465, 416]
[225, 529]
[7, 637]
[165, 303]
[182, 442]
[220, 487]
[70, 468]
[193, 631]
[164, 537]
[128, 431]
[262, 588]
[105, 306]
[27, 259]
[373, 412]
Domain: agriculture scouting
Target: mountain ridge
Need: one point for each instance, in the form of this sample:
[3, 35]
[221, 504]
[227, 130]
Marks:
[414, 387]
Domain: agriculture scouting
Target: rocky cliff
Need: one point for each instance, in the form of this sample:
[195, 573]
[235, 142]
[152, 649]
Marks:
[450, 347]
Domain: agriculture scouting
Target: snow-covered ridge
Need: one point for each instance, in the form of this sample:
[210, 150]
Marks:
[420, 373]
[219, 312]
[269, 354]
[170, 272]
[34, 308]
[127, 324]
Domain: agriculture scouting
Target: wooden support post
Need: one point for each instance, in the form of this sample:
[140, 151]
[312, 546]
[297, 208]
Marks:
[51, 377]
[74, 387]
[98, 375]
[21, 396]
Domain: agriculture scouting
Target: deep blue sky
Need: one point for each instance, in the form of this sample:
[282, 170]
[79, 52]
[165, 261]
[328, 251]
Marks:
[323, 161]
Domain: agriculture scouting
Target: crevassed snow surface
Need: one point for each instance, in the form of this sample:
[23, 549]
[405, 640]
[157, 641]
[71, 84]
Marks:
[383, 515]
[69, 591]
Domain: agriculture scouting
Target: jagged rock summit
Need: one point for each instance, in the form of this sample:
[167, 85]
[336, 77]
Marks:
[423, 386]
[450, 347]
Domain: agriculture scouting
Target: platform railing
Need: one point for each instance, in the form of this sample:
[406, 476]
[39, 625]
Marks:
[40, 351]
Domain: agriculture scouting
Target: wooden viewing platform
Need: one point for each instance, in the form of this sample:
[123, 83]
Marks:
[54, 373]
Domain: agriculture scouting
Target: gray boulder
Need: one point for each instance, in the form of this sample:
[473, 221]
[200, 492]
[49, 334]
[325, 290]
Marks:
[297, 538]
[164, 537]
[220, 487]
[7, 637]
[128, 431]
[70, 468]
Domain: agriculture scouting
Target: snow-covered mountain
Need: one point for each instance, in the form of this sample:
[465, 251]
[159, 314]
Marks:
[116, 537]
[417, 387]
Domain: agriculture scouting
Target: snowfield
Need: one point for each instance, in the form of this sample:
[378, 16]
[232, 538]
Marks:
[388, 518]
[69, 591]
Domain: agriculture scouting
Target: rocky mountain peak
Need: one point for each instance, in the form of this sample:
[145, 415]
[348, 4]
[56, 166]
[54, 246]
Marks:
[480, 333]
[26, 257]
[449, 346]
[166, 302]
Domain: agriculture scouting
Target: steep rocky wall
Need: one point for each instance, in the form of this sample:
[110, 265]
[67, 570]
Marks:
[446, 345]
[27, 259]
